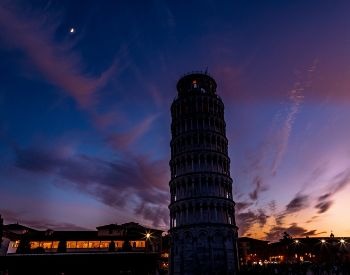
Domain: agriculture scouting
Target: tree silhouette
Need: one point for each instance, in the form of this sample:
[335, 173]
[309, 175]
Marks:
[111, 247]
[287, 242]
[127, 246]
[62, 246]
[287, 239]
[24, 245]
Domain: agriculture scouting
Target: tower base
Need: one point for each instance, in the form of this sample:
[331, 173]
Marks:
[204, 249]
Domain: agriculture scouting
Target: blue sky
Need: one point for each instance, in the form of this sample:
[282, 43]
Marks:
[85, 116]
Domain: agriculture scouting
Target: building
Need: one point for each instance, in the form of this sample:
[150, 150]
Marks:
[315, 250]
[202, 215]
[252, 250]
[128, 248]
[127, 237]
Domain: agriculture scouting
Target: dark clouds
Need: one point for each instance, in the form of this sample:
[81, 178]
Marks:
[136, 182]
[294, 230]
[246, 220]
[259, 187]
[337, 184]
[323, 206]
[297, 203]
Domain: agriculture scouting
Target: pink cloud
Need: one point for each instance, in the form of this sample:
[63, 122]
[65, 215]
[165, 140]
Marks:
[107, 119]
[125, 139]
[55, 61]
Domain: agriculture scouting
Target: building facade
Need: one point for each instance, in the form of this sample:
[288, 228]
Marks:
[127, 237]
[202, 216]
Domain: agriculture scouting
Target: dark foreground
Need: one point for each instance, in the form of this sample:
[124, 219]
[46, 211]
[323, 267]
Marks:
[80, 264]
[296, 269]
[136, 263]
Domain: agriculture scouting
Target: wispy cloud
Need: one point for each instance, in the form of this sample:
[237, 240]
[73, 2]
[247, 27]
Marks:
[33, 34]
[296, 98]
[123, 140]
[258, 188]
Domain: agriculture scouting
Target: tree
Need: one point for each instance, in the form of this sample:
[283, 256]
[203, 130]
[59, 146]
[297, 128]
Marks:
[287, 242]
[287, 239]
[62, 246]
[111, 247]
[126, 246]
[24, 245]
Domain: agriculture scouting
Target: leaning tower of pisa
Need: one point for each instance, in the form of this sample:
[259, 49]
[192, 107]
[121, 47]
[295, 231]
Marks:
[202, 216]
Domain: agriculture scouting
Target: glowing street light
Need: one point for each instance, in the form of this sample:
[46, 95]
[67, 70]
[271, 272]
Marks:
[323, 241]
[148, 235]
[342, 241]
[296, 241]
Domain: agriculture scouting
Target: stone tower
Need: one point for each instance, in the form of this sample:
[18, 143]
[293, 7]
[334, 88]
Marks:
[202, 216]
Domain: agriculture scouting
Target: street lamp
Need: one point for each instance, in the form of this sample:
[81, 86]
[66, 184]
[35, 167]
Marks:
[148, 237]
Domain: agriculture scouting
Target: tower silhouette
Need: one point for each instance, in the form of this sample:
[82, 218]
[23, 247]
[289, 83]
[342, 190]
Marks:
[202, 222]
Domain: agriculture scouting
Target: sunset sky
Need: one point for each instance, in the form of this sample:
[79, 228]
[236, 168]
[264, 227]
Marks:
[85, 114]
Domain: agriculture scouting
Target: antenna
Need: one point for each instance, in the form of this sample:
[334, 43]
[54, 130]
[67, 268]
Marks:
[206, 70]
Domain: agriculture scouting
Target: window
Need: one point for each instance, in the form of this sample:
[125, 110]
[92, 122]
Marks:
[46, 245]
[71, 244]
[94, 244]
[104, 244]
[194, 84]
[82, 244]
[55, 244]
[34, 244]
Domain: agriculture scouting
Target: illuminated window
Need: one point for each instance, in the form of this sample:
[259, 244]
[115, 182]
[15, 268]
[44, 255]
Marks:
[71, 244]
[119, 243]
[55, 244]
[139, 244]
[15, 244]
[34, 244]
[46, 245]
[104, 244]
[82, 244]
[94, 244]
